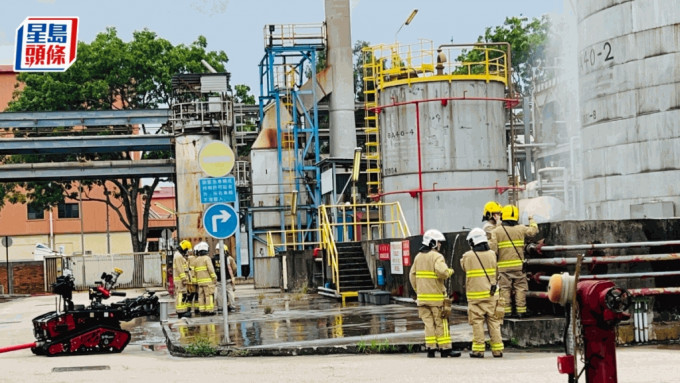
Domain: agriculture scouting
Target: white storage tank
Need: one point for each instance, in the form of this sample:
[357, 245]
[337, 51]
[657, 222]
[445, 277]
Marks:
[629, 88]
[462, 144]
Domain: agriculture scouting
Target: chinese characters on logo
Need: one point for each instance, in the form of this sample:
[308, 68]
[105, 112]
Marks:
[46, 44]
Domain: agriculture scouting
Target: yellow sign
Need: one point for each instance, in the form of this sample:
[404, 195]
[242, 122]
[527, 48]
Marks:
[216, 159]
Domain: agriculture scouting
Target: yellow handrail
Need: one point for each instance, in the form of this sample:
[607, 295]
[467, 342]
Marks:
[419, 62]
[390, 221]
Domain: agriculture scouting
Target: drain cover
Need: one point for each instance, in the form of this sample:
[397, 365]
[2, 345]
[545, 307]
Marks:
[80, 368]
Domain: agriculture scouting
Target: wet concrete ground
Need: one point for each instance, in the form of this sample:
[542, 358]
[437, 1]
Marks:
[269, 322]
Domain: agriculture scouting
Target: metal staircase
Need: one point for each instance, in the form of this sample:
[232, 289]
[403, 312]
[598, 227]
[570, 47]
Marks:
[354, 273]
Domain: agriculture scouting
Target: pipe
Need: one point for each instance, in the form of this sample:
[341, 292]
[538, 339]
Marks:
[606, 259]
[546, 278]
[643, 292]
[377, 109]
[415, 192]
[420, 168]
[593, 246]
[17, 347]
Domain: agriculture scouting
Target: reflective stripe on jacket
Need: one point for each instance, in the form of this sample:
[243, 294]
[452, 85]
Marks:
[205, 272]
[427, 276]
[477, 285]
[511, 244]
[180, 268]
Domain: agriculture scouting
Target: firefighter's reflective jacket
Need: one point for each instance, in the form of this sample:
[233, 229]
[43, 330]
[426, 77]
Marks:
[427, 276]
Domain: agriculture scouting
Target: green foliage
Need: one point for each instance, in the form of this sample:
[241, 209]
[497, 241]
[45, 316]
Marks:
[268, 310]
[201, 346]
[243, 96]
[528, 41]
[359, 68]
[108, 74]
[376, 347]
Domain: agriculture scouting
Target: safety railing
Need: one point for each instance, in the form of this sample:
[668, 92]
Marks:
[406, 64]
[349, 222]
[281, 240]
[328, 244]
[289, 35]
[201, 114]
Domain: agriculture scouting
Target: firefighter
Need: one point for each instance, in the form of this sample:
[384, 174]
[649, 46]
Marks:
[180, 269]
[192, 288]
[206, 279]
[427, 276]
[491, 216]
[509, 239]
[230, 274]
[481, 289]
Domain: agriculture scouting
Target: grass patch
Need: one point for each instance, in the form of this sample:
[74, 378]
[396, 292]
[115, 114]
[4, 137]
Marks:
[201, 346]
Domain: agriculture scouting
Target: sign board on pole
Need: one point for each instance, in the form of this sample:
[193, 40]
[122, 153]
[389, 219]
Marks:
[216, 159]
[6, 241]
[215, 190]
[220, 221]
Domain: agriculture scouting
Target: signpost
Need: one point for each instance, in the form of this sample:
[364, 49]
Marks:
[7, 242]
[220, 220]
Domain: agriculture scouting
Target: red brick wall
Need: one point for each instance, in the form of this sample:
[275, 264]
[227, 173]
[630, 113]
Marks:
[28, 277]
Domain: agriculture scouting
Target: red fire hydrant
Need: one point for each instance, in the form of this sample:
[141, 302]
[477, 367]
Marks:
[602, 306]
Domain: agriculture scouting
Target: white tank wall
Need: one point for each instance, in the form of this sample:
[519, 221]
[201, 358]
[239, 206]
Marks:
[462, 145]
[629, 80]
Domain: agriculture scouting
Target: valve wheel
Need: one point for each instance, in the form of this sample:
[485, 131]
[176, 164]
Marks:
[617, 299]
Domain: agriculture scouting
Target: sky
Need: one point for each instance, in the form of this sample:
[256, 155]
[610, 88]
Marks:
[236, 26]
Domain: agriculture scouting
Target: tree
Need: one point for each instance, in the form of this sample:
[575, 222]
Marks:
[243, 95]
[108, 74]
[359, 57]
[528, 41]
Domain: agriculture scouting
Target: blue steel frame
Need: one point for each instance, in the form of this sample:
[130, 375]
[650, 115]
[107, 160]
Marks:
[278, 55]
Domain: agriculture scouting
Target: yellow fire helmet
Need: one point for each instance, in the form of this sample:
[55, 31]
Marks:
[510, 213]
[490, 208]
[185, 245]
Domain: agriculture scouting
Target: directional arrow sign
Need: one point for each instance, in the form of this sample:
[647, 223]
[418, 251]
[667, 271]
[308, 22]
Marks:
[220, 221]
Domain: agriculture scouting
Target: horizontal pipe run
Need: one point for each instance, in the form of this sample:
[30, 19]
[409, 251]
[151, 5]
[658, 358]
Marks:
[608, 246]
[606, 259]
[546, 278]
[634, 292]
[415, 192]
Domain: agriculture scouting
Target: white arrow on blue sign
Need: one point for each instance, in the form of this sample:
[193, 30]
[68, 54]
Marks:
[220, 221]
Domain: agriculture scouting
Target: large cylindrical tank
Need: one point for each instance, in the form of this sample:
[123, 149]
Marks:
[462, 146]
[629, 87]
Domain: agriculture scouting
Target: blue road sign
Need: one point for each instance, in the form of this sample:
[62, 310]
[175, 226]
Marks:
[214, 190]
[220, 221]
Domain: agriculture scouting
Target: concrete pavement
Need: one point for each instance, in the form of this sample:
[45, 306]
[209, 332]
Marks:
[295, 324]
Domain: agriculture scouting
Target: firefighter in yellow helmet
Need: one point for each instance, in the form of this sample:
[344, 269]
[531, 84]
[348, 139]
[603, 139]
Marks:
[427, 276]
[205, 278]
[180, 271]
[491, 216]
[509, 238]
[230, 274]
[481, 290]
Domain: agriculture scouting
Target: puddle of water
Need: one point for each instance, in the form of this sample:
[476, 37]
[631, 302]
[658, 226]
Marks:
[321, 325]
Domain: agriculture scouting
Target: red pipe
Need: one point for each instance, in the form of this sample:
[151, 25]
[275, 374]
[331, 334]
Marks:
[17, 347]
[508, 101]
[415, 192]
[420, 169]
